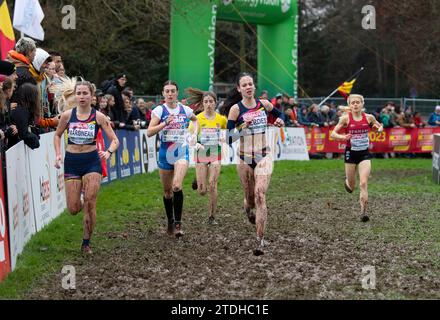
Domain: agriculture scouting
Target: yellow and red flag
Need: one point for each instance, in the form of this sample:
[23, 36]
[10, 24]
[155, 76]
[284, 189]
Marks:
[346, 87]
[7, 38]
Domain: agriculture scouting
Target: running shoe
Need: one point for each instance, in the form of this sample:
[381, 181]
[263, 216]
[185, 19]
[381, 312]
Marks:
[364, 217]
[212, 221]
[178, 233]
[259, 251]
[194, 185]
[86, 249]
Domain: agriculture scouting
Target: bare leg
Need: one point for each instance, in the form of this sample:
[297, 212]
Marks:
[364, 174]
[263, 173]
[92, 183]
[73, 196]
[214, 173]
[246, 174]
[202, 178]
[350, 174]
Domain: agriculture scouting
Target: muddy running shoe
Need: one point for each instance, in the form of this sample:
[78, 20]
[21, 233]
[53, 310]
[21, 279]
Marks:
[259, 251]
[178, 233]
[170, 228]
[364, 217]
[86, 249]
[250, 215]
[347, 188]
[211, 221]
[194, 184]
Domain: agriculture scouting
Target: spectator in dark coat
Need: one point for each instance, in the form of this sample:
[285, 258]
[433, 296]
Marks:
[116, 91]
[24, 115]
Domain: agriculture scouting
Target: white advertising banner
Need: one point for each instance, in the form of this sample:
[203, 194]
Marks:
[48, 191]
[292, 145]
[20, 207]
[148, 152]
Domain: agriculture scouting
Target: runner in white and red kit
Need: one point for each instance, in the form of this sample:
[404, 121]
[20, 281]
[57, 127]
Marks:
[358, 125]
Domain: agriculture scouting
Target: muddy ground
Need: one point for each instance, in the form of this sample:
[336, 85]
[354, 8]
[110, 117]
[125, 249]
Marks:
[317, 250]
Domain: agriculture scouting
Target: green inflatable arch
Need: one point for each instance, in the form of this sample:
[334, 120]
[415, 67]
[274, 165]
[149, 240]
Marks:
[192, 51]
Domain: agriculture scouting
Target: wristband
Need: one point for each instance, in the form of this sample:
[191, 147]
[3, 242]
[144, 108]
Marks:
[108, 150]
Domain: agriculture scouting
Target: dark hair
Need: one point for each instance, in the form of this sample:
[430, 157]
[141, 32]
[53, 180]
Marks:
[234, 96]
[28, 96]
[196, 96]
[7, 84]
[54, 53]
[171, 83]
[90, 85]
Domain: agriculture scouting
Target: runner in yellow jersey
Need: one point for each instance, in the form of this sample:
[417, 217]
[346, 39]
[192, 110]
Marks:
[208, 150]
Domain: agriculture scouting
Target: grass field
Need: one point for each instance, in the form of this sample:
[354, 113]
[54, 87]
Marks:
[317, 249]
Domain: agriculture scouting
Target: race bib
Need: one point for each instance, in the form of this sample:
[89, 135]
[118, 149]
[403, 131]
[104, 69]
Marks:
[82, 133]
[360, 142]
[210, 136]
[174, 135]
[259, 121]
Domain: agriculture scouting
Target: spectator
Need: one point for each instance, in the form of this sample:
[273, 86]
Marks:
[418, 121]
[56, 58]
[131, 118]
[264, 95]
[22, 57]
[314, 117]
[385, 117]
[434, 118]
[302, 117]
[405, 119]
[291, 120]
[103, 106]
[8, 70]
[276, 102]
[6, 91]
[116, 91]
[144, 111]
[23, 116]
[325, 115]
[61, 72]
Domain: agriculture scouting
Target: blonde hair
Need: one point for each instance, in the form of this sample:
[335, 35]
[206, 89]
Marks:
[354, 96]
[64, 92]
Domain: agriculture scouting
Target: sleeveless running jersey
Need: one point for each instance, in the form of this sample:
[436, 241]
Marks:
[359, 130]
[175, 132]
[257, 115]
[82, 132]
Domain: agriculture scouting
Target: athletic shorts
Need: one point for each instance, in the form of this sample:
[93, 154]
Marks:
[356, 157]
[209, 155]
[168, 157]
[77, 165]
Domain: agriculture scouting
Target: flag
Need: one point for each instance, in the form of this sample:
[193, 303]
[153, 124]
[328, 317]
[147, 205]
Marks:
[7, 38]
[346, 87]
[27, 18]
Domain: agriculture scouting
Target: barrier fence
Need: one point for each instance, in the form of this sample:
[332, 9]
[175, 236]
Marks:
[399, 140]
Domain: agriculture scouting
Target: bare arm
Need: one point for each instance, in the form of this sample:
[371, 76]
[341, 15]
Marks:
[105, 124]
[156, 126]
[376, 125]
[342, 124]
[62, 126]
[279, 122]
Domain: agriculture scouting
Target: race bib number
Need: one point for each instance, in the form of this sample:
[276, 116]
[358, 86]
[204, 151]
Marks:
[82, 133]
[259, 121]
[174, 135]
[360, 142]
[210, 136]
